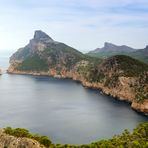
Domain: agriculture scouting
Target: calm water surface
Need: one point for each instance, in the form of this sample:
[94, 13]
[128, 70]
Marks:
[61, 109]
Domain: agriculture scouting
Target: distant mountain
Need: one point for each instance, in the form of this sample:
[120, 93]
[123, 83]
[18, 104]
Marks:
[119, 76]
[110, 49]
[141, 54]
[43, 52]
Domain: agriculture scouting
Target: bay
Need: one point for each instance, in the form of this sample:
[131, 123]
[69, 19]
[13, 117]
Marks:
[62, 109]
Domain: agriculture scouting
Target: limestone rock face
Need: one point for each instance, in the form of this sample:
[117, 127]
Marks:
[42, 36]
[45, 48]
[141, 107]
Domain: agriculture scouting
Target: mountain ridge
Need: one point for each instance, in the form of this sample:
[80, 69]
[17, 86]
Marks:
[42, 46]
[110, 49]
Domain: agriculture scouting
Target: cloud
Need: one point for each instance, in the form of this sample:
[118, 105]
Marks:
[79, 18]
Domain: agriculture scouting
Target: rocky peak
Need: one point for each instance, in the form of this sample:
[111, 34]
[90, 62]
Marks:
[42, 36]
[109, 45]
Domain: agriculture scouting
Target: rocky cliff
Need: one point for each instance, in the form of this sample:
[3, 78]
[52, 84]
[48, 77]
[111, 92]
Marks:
[9, 141]
[42, 52]
[119, 76]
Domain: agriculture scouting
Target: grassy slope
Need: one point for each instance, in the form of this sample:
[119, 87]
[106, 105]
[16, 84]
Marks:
[34, 63]
[123, 66]
[130, 66]
[62, 55]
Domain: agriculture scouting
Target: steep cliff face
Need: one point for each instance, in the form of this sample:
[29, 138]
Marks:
[119, 76]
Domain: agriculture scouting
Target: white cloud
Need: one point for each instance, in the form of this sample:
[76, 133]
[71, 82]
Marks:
[84, 24]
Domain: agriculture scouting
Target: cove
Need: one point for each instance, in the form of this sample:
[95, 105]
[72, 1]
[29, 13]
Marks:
[62, 109]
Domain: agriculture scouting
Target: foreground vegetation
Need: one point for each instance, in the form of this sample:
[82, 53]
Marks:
[137, 139]
[21, 132]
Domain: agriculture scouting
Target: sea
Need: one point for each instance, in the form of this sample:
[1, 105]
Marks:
[61, 109]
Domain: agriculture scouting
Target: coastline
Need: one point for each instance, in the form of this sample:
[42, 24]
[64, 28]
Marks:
[123, 94]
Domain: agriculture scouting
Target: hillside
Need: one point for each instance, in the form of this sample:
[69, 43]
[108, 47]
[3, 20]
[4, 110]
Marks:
[119, 76]
[43, 52]
[21, 138]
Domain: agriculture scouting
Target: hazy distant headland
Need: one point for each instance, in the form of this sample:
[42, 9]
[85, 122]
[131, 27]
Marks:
[110, 49]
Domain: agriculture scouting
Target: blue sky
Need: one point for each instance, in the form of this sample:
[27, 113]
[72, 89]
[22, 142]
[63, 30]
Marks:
[83, 24]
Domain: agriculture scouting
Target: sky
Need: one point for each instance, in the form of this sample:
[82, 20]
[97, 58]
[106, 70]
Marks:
[82, 24]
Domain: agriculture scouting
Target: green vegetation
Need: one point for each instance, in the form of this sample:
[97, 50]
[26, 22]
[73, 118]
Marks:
[63, 56]
[139, 55]
[112, 81]
[119, 65]
[131, 67]
[142, 58]
[34, 63]
[137, 139]
[25, 52]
